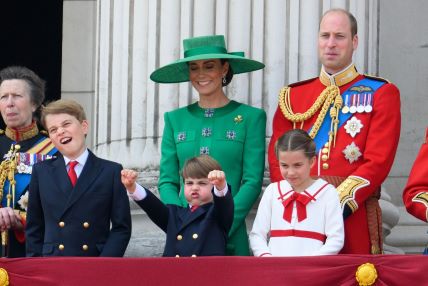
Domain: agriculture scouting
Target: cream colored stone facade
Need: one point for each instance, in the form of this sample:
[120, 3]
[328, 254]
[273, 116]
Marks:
[111, 46]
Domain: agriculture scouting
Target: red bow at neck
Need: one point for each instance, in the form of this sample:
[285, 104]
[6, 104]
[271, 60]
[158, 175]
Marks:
[301, 202]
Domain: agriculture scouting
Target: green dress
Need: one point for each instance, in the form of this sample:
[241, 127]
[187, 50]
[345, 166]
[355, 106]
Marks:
[234, 135]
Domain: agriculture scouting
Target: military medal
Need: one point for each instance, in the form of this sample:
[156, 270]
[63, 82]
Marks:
[353, 126]
[25, 161]
[360, 107]
[345, 109]
[352, 152]
[353, 107]
[368, 106]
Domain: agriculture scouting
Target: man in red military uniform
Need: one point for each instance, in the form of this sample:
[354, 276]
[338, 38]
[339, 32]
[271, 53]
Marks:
[415, 195]
[355, 122]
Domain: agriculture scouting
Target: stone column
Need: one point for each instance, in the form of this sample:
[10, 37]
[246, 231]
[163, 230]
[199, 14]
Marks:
[136, 36]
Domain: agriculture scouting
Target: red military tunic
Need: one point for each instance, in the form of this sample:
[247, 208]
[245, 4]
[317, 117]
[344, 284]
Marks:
[364, 161]
[415, 195]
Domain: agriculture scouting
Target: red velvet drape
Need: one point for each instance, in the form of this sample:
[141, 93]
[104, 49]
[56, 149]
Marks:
[219, 271]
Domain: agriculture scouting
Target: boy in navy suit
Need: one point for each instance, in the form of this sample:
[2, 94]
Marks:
[201, 228]
[75, 197]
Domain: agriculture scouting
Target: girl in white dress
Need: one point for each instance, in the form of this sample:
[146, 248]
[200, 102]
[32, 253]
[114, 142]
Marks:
[298, 216]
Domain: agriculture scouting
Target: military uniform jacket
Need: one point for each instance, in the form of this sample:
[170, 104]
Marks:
[17, 239]
[364, 159]
[67, 221]
[415, 195]
[202, 232]
[234, 135]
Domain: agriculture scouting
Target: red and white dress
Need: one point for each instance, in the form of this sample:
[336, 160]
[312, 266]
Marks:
[292, 224]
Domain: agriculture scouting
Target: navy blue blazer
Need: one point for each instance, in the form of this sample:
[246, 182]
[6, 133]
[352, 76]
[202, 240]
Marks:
[67, 221]
[202, 232]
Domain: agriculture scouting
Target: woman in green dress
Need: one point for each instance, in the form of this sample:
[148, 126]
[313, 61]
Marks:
[233, 133]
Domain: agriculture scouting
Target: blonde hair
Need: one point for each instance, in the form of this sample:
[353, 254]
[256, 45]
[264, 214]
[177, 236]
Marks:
[66, 106]
[199, 167]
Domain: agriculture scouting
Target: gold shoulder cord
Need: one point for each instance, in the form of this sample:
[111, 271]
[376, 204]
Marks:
[7, 171]
[329, 96]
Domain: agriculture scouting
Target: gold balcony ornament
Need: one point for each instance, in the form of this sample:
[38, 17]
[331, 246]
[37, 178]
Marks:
[366, 274]
[4, 277]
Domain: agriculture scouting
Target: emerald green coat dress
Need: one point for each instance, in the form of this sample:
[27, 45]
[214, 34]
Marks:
[234, 135]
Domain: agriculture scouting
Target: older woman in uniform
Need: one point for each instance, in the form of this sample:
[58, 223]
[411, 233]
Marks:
[21, 145]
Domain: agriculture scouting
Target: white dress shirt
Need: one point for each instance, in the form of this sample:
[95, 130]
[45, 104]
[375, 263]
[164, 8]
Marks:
[81, 160]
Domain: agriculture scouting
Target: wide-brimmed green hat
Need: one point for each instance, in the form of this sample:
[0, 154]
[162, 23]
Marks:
[203, 48]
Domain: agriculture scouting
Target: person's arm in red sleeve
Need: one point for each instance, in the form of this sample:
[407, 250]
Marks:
[415, 195]
[379, 152]
[279, 126]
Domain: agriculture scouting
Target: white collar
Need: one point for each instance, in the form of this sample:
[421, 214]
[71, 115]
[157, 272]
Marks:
[81, 159]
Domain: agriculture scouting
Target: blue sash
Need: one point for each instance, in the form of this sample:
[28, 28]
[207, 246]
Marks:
[22, 181]
[370, 86]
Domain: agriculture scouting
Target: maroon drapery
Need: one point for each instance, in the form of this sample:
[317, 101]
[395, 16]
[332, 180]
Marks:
[219, 271]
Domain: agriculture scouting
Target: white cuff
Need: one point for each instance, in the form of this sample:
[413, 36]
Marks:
[139, 194]
[221, 193]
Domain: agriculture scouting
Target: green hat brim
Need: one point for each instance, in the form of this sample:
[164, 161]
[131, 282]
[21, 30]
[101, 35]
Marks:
[179, 70]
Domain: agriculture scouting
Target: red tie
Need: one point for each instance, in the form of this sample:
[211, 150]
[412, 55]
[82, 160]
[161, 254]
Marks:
[301, 202]
[72, 173]
[193, 208]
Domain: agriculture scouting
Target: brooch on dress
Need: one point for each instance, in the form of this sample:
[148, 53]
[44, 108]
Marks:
[204, 151]
[238, 119]
[352, 152]
[206, 132]
[353, 126]
[231, 134]
[181, 136]
[209, 112]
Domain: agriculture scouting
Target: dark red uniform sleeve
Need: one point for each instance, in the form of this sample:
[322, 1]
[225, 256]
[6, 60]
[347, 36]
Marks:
[415, 195]
[280, 125]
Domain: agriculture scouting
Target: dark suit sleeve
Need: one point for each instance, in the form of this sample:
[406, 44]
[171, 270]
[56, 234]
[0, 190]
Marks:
[224, 208]
[35, 228]
[120, 232]
[155, 209]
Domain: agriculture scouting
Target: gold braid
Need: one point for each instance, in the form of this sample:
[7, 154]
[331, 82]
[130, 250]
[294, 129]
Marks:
[3, 176]
[7, 171]
[330, 95]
